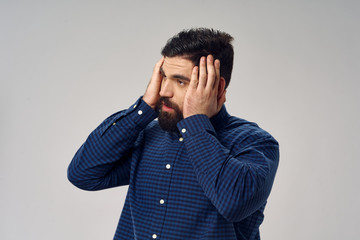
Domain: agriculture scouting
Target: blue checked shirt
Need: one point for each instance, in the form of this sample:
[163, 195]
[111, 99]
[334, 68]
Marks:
[211, 181]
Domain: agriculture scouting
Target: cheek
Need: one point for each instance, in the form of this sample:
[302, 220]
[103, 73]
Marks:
[179, 95]
[162, 84]
[181, 105]
[182, 98]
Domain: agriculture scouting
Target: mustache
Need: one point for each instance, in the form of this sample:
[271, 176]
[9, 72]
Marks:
[167, 102]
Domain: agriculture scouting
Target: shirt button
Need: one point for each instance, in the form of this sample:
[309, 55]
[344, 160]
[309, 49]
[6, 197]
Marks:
[162, 201]
[114, 124]
[154, 236]
[183, 130]
[134, 106]
[139, 112]
[168, 166]
[181, 139]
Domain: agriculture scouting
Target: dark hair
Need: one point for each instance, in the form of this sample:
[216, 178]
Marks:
[194, 43]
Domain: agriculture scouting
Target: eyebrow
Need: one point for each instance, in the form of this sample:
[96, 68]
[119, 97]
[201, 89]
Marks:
[176, 76]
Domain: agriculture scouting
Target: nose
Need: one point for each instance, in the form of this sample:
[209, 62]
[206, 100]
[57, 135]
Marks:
[166, 89]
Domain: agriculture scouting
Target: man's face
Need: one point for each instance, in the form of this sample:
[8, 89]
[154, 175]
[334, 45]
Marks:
[176, 73]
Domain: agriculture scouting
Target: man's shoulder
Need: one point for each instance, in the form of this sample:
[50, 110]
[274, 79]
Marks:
[242, 130]
[238, 124]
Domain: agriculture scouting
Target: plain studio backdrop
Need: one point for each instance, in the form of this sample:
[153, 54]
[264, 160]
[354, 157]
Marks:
[67, 65]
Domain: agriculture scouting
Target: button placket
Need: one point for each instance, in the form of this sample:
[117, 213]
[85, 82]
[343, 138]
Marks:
[161, 203]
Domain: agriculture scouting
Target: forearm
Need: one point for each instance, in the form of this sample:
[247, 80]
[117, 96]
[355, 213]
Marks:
[103, 161]
[236, 182]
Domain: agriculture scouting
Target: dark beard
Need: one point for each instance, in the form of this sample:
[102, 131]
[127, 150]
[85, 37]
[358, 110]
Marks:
[168, 121]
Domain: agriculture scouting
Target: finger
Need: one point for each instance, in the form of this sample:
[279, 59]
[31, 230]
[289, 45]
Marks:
[153, 88]
[194, 78]
[217, 73]
[160, 62]
[202, 73]
[211, 73]
[158, 66]
[156, 76]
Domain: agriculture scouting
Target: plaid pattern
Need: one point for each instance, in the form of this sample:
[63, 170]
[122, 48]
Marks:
[211, 181]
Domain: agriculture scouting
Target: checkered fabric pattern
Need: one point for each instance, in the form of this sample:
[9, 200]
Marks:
[209, 181]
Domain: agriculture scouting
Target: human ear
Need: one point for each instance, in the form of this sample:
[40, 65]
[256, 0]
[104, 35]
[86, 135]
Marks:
[221, 87]
[221, 98]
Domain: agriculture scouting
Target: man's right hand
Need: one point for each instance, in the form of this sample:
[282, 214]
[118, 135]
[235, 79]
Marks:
[151, 95]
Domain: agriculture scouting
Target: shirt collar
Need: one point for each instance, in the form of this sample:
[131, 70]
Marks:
[220, 119]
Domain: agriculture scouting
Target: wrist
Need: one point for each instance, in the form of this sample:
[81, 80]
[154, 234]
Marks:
[149, 102]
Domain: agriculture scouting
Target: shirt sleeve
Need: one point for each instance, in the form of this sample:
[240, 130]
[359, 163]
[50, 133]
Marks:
[104, 160]
[237, 182]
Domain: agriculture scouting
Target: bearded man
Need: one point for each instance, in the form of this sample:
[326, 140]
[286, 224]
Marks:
[195, 173]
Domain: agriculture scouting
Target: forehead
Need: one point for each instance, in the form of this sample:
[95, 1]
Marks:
[177, 65]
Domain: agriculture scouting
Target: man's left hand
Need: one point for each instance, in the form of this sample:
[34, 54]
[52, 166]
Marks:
[203, 96]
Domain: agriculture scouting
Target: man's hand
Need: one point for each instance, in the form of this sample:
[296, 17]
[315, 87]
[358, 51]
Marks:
[203, 96]
[151, 95]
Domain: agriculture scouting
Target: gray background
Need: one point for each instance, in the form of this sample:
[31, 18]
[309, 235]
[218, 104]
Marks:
[66, 65]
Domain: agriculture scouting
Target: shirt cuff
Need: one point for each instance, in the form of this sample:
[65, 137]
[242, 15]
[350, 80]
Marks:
[141, 113]
[138, 115]
[195, 124]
